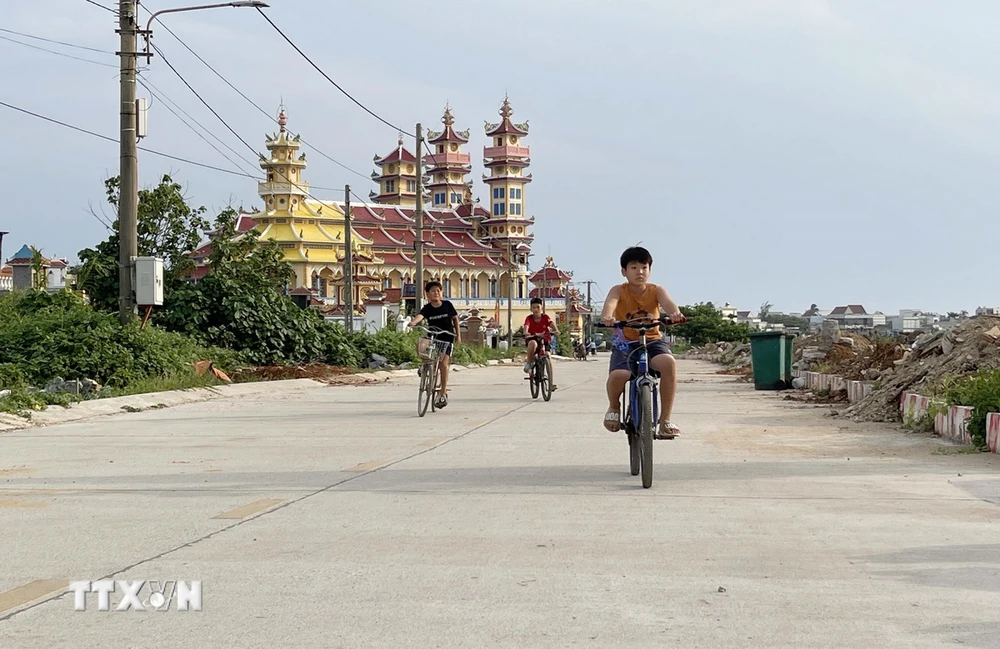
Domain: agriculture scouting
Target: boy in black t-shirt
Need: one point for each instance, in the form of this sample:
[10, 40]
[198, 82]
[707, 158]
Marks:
[440, 314]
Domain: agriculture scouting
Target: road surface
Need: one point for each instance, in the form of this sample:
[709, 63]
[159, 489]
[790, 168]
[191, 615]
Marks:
[327, 517]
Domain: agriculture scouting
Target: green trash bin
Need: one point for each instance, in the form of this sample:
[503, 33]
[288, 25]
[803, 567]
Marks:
[772, 360]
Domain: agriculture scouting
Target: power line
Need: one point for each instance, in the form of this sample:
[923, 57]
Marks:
[49, 40]
[162, 96]
[68, 56]
[111, 139]
[97, 4]
[254, 104]
[224, 123]
[327, 77]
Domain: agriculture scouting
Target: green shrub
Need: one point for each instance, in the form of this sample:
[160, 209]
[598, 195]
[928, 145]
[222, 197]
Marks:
[43, 336]
[981, 392]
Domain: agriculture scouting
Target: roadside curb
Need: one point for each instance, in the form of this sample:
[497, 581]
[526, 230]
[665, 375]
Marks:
[157, 400]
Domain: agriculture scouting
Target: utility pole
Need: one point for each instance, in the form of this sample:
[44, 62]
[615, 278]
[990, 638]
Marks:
[1, 245]
[128, 189]
[418, 242]
[348, 262]
[510, 297]
[590, 307]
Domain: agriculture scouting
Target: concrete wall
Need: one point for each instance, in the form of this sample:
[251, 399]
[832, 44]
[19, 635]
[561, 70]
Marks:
[950, 422]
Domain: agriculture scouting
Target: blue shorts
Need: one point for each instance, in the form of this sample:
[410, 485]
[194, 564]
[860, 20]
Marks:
[620, 359]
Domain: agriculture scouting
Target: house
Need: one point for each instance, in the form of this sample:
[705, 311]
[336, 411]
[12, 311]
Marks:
[6, 279]
[988, 310]
[854, 316]
[23, 272]
[747, 318]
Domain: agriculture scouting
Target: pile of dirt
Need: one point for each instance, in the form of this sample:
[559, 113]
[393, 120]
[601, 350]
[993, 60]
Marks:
[284, 372]
[869, 365]
[961, 351]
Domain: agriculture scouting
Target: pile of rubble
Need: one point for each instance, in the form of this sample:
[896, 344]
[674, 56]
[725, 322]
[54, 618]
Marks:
[849, 356]
[734, 356]
[930, 359]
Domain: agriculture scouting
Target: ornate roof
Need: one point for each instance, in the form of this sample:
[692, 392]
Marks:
[550, 273]
[506, 127]
[399, 154]
[449, 134]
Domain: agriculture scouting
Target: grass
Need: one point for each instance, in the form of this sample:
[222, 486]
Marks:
[162, 384]
[956, 450]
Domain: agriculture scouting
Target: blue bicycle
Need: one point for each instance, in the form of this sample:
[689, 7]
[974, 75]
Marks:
[640, 400]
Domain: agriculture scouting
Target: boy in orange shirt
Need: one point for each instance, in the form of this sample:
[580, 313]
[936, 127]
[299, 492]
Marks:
[635, 299]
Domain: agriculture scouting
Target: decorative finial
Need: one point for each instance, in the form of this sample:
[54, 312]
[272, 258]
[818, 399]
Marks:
[448, 120]
[282, 119]
[400, 141]
[506, 111]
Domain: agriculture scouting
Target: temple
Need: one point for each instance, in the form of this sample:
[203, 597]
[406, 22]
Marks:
[479, 254]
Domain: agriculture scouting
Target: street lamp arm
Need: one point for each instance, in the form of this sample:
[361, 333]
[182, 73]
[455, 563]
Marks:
[248, 3]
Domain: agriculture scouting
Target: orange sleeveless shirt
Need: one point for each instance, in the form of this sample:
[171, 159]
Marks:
[631, 306]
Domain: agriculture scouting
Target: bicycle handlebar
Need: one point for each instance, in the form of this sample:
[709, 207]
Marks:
[632, 324]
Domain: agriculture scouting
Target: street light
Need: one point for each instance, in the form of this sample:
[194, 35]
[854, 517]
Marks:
[128, 197]
[250, 4]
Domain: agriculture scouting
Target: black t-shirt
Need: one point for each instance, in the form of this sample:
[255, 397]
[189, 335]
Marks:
[440, 317]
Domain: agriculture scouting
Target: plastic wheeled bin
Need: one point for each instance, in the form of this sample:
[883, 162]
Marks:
[771, 353]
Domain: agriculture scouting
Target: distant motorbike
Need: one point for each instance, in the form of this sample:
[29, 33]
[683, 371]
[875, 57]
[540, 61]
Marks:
[580, 351]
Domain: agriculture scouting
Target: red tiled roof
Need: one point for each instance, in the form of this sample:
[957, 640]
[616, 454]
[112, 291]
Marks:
[399, 154]
[449, 135]
[6, 271]
[549, 273]
[506, 127]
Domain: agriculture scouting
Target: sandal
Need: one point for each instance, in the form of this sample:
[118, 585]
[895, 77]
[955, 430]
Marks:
[612, 421]
[553, 387]
[667, 430]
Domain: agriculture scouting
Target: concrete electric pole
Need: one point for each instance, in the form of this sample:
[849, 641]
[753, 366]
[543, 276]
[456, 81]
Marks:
[348, 263]
[128, 189]
[418, 242]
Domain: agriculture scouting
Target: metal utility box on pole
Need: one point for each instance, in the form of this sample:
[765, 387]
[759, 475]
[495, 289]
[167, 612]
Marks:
[128, 190]
[418, 242]
[348, 262]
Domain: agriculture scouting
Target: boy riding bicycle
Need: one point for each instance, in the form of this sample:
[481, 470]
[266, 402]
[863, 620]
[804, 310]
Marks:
[439, 313]
[638, 299]
[540, 325]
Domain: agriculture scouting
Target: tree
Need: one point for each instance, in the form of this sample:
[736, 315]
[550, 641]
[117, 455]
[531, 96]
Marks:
[239, 304]
[706, 325]
[167, 228]
[40, 279]
[765, 310]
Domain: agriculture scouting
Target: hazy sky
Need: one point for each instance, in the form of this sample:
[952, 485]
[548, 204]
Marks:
[791, 151]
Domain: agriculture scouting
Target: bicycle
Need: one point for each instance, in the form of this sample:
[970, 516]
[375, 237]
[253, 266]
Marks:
[640, 400]
[540, 376]
[430, 369]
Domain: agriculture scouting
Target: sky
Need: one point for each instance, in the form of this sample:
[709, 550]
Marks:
[783, 151]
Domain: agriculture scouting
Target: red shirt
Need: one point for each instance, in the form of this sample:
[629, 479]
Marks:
[540, 328]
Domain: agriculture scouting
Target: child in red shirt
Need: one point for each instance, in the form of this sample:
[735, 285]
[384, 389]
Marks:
[539, 324]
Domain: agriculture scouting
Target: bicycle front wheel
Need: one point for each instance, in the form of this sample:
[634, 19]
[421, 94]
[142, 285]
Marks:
[535, 379]
[426, 388]
[646, 434]
[546, 379]
[434, 386]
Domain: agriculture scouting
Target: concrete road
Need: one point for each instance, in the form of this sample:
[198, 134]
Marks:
[329, 517]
